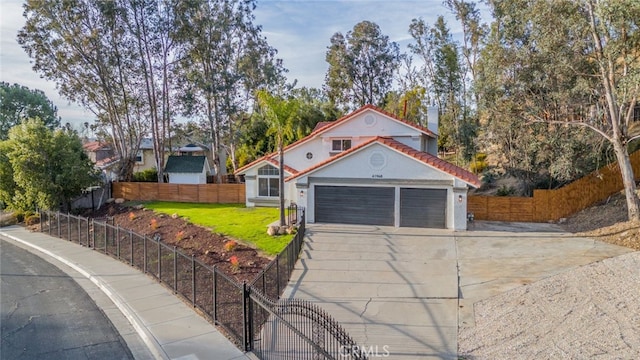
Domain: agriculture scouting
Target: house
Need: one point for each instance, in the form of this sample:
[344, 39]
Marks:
[145, 159]
[368, 167]
[187, 169]
[104, 158]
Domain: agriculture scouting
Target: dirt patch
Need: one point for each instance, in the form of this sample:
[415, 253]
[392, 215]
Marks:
[191, 239]
[606, 221]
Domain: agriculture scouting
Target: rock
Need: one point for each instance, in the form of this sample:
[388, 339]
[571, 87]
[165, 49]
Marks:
[291, 230]
[119, 200]
[562, 220]
[110, 200]
[272, 230]
[175, 216]
[282, 230]
[139, 207]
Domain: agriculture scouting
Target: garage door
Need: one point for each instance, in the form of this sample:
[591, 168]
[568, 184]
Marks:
[423, 208]
[354, 205]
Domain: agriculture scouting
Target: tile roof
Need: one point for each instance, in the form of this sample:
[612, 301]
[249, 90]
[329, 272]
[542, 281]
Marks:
[287, 168]
[423, 157]
[95, 146]
[185, 164]
[320, 125]
[321, 129]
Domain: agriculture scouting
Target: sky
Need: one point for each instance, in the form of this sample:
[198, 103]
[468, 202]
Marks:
[299, 29]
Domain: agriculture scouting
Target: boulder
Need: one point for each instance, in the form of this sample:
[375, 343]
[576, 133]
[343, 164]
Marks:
[272, 230]
[119, 200]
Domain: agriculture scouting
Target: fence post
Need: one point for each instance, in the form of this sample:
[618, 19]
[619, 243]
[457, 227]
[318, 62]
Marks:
[79, 231]
[144, 253]
[131, 246]
[105, 237]
[68, 227]
[245, 317]
[118, 241]
[277, 275]
[215, 299]
[193, 279]
[175, 271]
[58, 217]
[93, 234]
[159, 262]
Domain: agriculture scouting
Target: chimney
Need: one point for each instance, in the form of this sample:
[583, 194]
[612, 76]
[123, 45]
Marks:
[432, 119]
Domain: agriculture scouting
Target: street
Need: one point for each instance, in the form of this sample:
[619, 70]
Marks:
[45, 314]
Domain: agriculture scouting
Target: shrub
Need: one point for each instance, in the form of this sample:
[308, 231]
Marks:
[149, 175]
[481, 157]
[32, 220]
[132, 216]
[506, 191]
[235, 264]
[180, 235]
[477, 166]
[230, 245]
[154, 224]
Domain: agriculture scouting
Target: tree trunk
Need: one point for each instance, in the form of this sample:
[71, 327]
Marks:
[281, 172]
[633, 205]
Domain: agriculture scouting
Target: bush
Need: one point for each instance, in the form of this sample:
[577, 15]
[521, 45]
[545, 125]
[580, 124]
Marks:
[477, 166]
[481, 157]
[32, 220]
[506, 191]
[21, 215]
[149, 175]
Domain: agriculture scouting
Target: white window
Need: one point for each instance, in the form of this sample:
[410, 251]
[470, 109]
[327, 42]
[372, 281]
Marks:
[339, 145]
[139, 157]
[268, 181]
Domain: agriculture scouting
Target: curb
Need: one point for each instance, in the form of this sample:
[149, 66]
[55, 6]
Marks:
[153, 346]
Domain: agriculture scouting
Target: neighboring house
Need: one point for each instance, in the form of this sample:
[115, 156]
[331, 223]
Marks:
[104, 158]
[187, 169]
[368, 167]
[144, 157]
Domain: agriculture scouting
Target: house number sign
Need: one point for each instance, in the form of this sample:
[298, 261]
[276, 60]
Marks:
[377, 176]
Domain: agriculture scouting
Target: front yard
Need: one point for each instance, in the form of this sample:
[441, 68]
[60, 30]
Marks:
[247, 225]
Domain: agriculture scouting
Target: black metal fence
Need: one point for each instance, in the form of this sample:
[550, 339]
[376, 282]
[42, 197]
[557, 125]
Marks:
[247, 313]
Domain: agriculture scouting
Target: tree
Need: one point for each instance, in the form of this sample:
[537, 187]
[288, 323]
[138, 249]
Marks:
[280, 113]
[226, 61]
[18, 103]
[361, 66]
[572, 63]
[44, 168]
[84, 47]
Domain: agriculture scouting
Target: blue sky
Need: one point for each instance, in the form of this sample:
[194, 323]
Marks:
[299, 29]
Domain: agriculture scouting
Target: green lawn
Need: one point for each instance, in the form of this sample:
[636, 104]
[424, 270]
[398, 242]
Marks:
[235, 220]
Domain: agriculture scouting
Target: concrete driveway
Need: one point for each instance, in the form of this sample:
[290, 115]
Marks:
[403, 292]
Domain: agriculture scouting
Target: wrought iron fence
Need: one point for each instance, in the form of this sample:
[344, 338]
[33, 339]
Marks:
[249, 314]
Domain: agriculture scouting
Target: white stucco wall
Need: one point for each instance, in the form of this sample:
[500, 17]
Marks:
[187, 178]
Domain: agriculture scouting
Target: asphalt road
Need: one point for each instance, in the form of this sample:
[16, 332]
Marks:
[45, 314]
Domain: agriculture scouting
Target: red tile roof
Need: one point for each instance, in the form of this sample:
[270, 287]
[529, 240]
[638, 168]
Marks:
[287, 168]
[94, 146]
[320, 125]
[423, 157]
[319, 130]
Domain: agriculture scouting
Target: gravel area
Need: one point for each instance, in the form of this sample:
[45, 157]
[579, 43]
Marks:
[591, 312]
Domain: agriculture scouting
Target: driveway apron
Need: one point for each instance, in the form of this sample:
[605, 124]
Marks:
[402, 293]
[395, 290]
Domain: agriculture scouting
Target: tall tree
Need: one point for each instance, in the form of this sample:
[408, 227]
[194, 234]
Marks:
[18, 103]
[84, 47]
[280, 114]
[47, 168]
[362, 66]
[568, 63]
[224, 52]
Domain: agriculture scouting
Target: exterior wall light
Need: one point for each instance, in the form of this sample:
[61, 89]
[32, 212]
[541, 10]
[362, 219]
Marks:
[459, 198]
[301, 194]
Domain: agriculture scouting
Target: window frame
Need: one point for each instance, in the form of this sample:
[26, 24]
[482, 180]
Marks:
[271, 175]
[342, 143]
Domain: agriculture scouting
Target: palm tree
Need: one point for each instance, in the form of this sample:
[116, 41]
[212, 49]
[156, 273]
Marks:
[280, 114]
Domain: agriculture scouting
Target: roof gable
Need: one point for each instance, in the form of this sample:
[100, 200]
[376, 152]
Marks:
[185, 164]
[324, 127]
[422, 157]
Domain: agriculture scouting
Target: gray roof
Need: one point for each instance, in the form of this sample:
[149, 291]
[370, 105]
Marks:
[185, 164]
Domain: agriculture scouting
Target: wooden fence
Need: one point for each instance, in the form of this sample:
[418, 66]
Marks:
[202, 193]
[552, 205]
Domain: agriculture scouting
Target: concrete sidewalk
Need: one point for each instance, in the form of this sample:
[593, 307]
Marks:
[154, 322]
